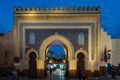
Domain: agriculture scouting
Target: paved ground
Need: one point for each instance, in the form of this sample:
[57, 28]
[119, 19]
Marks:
[58, 78]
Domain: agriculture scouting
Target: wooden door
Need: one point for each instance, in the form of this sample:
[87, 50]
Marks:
[32, 65]
[80, 62]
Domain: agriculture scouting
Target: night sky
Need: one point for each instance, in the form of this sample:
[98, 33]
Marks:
[110, 10]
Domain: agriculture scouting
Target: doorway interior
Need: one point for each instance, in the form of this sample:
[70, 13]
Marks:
[56, 59]
[32, 65]
[81, 61]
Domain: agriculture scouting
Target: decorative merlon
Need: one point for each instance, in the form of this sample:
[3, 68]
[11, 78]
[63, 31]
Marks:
[65, 9]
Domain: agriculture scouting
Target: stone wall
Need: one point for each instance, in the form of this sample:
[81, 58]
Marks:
[71, 34]
[6, 50]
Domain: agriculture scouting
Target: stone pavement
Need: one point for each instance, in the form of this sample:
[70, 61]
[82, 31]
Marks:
[59, 78]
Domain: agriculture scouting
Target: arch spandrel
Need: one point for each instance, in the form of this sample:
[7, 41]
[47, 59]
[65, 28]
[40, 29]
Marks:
[62, 39]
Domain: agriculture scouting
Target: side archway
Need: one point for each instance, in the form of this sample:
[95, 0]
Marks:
[32, 65]
[32, 56]
[81, 55]
[62, 39]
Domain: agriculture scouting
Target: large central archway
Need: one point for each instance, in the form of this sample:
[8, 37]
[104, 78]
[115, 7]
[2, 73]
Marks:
[47, 42]
[50, 39]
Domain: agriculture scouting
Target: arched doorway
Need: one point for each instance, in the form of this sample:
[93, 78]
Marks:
[56, 59]
[80, 63]
[32, 65]
[60, 38]
[68, 47]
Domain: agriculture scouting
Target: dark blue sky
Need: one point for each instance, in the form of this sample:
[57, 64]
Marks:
[57, 50]
[110, 9]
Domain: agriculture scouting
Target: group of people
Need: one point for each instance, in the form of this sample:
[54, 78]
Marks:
[82, 74]
[115, 70]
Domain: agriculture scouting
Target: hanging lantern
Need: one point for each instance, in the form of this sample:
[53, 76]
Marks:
[51, 61]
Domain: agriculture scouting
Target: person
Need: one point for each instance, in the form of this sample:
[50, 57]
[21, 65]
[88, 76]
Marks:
[83, 75]
[14, 73]
[113, 71]
[50, 70]
[118, 69]
[47, 71]
[80, 74]
[66, 75]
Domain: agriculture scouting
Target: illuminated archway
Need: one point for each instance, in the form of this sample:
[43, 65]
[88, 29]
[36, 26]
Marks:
[84, 52]
[62, 39]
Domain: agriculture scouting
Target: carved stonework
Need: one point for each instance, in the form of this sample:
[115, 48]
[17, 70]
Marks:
[71, 9]
[29, 51]
[83, 51]
[62, 24]
[60, 38]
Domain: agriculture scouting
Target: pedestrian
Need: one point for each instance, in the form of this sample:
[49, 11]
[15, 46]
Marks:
[118, 69]
[14, 73]
[66, 75]
[47, 71]
[83, 75]
[50, 70]
[80, 74]
[113, 71]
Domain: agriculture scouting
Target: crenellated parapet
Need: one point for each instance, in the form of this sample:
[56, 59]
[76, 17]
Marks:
[65, 9]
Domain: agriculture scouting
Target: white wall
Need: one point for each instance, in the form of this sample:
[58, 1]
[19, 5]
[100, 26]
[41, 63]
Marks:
[105, 40]
[115, 51]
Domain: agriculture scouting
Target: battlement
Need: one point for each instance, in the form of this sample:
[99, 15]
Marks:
[64, 9]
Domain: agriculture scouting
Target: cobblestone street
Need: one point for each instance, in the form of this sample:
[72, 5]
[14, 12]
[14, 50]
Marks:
[59, 78]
